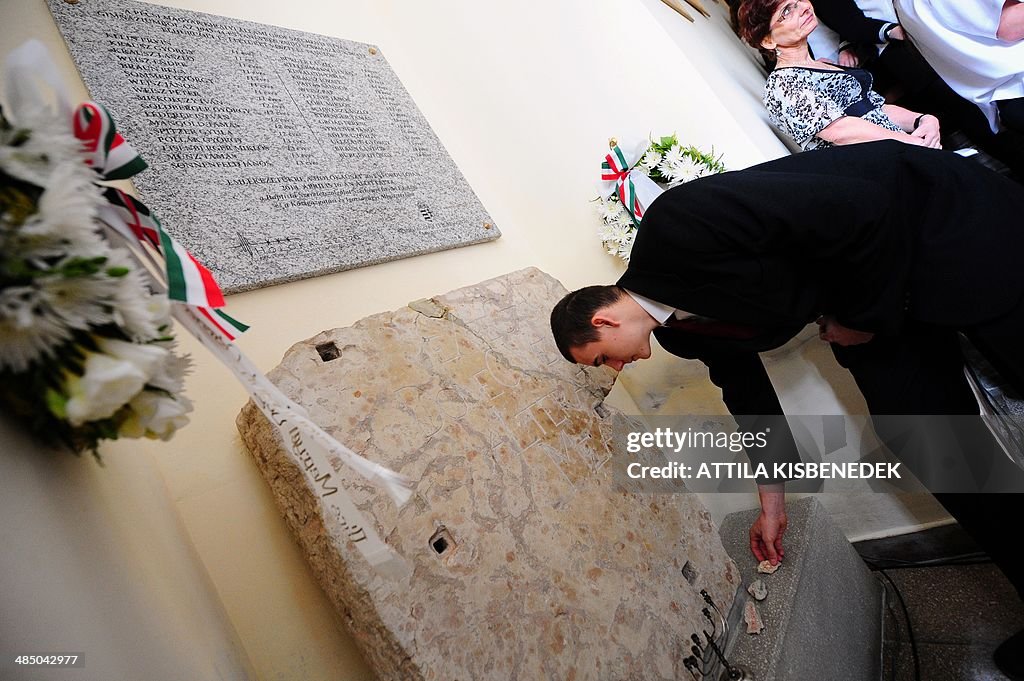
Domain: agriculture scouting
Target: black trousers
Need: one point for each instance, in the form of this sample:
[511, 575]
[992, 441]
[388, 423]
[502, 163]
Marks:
[901, 68]
[1011, 111]
[921, 373]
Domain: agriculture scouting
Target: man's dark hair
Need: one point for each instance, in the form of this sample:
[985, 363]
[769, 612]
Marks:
[570, 318]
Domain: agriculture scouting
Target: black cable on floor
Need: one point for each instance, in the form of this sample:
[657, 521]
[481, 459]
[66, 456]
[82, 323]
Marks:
[894, 653]
[910, 628]
[974, 558]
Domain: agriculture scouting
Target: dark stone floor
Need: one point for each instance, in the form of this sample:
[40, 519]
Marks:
[958, 612]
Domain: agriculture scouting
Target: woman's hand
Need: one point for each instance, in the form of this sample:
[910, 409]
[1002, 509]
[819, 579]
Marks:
[832, 331]
[852, 130]
[928, 131]
[848, 58]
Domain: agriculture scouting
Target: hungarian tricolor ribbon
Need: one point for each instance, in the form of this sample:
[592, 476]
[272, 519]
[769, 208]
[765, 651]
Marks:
[619, 175]
[196, 296]
[105, 149]
[107, 153]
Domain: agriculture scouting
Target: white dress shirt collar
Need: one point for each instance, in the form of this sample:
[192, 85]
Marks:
[660, 312]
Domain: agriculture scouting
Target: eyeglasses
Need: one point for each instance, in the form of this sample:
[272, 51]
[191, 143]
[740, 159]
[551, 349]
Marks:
[788, 12]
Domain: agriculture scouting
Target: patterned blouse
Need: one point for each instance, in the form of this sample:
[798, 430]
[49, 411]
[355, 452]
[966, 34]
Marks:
[803, 101]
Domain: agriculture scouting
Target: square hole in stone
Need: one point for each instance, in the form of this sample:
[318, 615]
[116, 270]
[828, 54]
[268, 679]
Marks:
[689, 573]
[441, 541]
[328, 351]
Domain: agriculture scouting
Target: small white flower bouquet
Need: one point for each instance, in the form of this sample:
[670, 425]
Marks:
[666, 163]
[86, 351]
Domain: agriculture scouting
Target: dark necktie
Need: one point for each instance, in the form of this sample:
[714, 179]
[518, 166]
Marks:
[706, 326]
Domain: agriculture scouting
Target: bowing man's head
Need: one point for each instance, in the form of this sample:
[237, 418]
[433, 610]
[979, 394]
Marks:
[602, 325]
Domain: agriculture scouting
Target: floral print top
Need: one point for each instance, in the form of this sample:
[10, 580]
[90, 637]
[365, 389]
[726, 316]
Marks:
[803, 101]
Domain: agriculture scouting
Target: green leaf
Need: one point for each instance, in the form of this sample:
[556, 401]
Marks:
[82, 267]
[57, 403]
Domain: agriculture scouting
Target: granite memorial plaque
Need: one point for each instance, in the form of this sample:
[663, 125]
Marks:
[274, 154]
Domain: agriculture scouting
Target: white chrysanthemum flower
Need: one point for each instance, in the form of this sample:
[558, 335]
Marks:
[141, 314]
[614, 234]
[618, 232]
[609, 209]
[684, 171]
[64, 222]
[170, 376]
[29, 329]
[673, 157]
[651, 160]
[49, 137]
[626, 247]
[81, 302]
[606, 232]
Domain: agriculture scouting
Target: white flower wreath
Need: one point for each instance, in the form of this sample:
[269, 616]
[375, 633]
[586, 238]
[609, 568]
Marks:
[667, 163]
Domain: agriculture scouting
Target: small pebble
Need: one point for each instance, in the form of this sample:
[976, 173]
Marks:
[752, 617]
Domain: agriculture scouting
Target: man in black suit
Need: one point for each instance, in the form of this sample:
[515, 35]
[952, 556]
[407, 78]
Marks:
[892, 248]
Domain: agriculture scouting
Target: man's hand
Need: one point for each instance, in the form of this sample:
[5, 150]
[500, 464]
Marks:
[928, 131]
[848, 58]
[832, 331]
[767, 531]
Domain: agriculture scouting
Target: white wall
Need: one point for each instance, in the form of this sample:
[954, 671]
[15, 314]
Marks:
[95, 560]
[524, 96]
[733, 69]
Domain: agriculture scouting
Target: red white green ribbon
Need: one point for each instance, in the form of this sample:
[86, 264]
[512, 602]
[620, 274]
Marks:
[114, 159]
[187, 279]
[106, 151]
[636, 191]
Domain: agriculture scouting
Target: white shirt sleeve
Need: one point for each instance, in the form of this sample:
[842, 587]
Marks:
[970, 17]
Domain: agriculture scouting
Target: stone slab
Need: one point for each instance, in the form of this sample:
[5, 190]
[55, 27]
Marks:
[548, 570]
[824, 610]
[274, 154]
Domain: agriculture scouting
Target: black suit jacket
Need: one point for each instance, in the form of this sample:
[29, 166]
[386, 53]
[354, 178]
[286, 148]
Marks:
[877, 234]
[846, 18]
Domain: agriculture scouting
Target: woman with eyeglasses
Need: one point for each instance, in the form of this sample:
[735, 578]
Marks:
[817, 103]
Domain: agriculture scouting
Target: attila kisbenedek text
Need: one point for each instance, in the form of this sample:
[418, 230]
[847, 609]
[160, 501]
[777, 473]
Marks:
[668, 439]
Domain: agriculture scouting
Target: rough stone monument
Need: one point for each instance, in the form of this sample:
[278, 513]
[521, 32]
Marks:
[274, 154]
[823, 611]
[530, 562]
